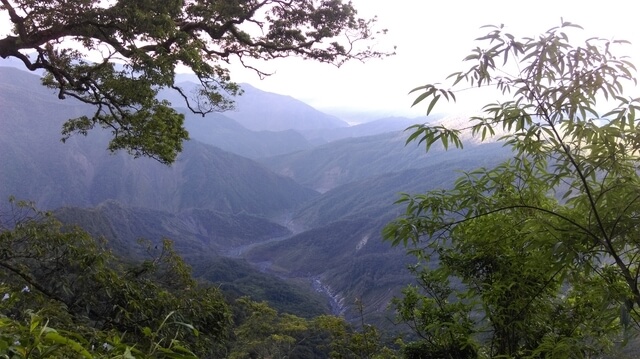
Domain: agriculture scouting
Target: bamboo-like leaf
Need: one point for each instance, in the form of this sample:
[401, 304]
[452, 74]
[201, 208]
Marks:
[472, 57]
[415, 134]
[431, 140]
[569, 24]
[612, 112]
[445, 142]
[55, 337]
[455, 74]
[569, 182]
[424, 95]
[419, 88]
[433, 103]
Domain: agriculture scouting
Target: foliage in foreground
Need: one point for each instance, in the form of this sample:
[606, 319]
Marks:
[61, 278]
[538, 256]
[66, 296]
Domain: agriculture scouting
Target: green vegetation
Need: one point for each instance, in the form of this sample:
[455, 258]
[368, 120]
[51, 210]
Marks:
[154, 37]
[237, 278]
[66, 296]
[202, 238]
[537, 256]
[64, 292]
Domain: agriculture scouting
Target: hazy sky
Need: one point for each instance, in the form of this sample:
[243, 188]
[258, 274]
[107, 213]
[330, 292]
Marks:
[432, 37]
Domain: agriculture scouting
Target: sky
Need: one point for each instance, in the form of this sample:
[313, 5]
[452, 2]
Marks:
[431, 39]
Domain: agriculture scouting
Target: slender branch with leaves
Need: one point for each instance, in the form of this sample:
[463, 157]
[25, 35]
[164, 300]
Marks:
[562, 212]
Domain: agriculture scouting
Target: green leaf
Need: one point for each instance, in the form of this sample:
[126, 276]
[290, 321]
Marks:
[55, 337]
[419, 130]
[419, 88]
[432, 103]
[553, 228]
[424, 95]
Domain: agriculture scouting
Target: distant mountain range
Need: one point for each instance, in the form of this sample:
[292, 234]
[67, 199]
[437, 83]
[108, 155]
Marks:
[266, 111]
[37, 166]
[374, 127]
[221, 131]
[275, 187]
[259, 110]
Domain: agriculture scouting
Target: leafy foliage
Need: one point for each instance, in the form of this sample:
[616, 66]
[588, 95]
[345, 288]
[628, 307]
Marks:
[347, 342]
[66, 296]
[237, 278]
[263, 333]
[543, 247]
[61, 278]
[152, 38]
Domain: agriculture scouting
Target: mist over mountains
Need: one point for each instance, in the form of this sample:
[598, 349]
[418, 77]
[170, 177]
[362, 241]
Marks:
[274, 189]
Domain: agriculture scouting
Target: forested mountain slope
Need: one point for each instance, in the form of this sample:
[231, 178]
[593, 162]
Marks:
[214, 203]
[192, 230]
[80, 172]
[354, 159]
[203, 238]
[339, 241]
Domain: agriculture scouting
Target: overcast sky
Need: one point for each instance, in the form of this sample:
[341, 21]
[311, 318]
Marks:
[432, 37]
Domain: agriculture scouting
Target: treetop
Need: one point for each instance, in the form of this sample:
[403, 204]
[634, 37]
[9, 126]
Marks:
[152, 37]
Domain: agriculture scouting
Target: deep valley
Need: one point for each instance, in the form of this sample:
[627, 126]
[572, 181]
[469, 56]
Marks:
[292, 216]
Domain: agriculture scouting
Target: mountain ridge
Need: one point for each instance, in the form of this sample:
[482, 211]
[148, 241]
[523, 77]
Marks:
[37, 166]
[332, 242]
